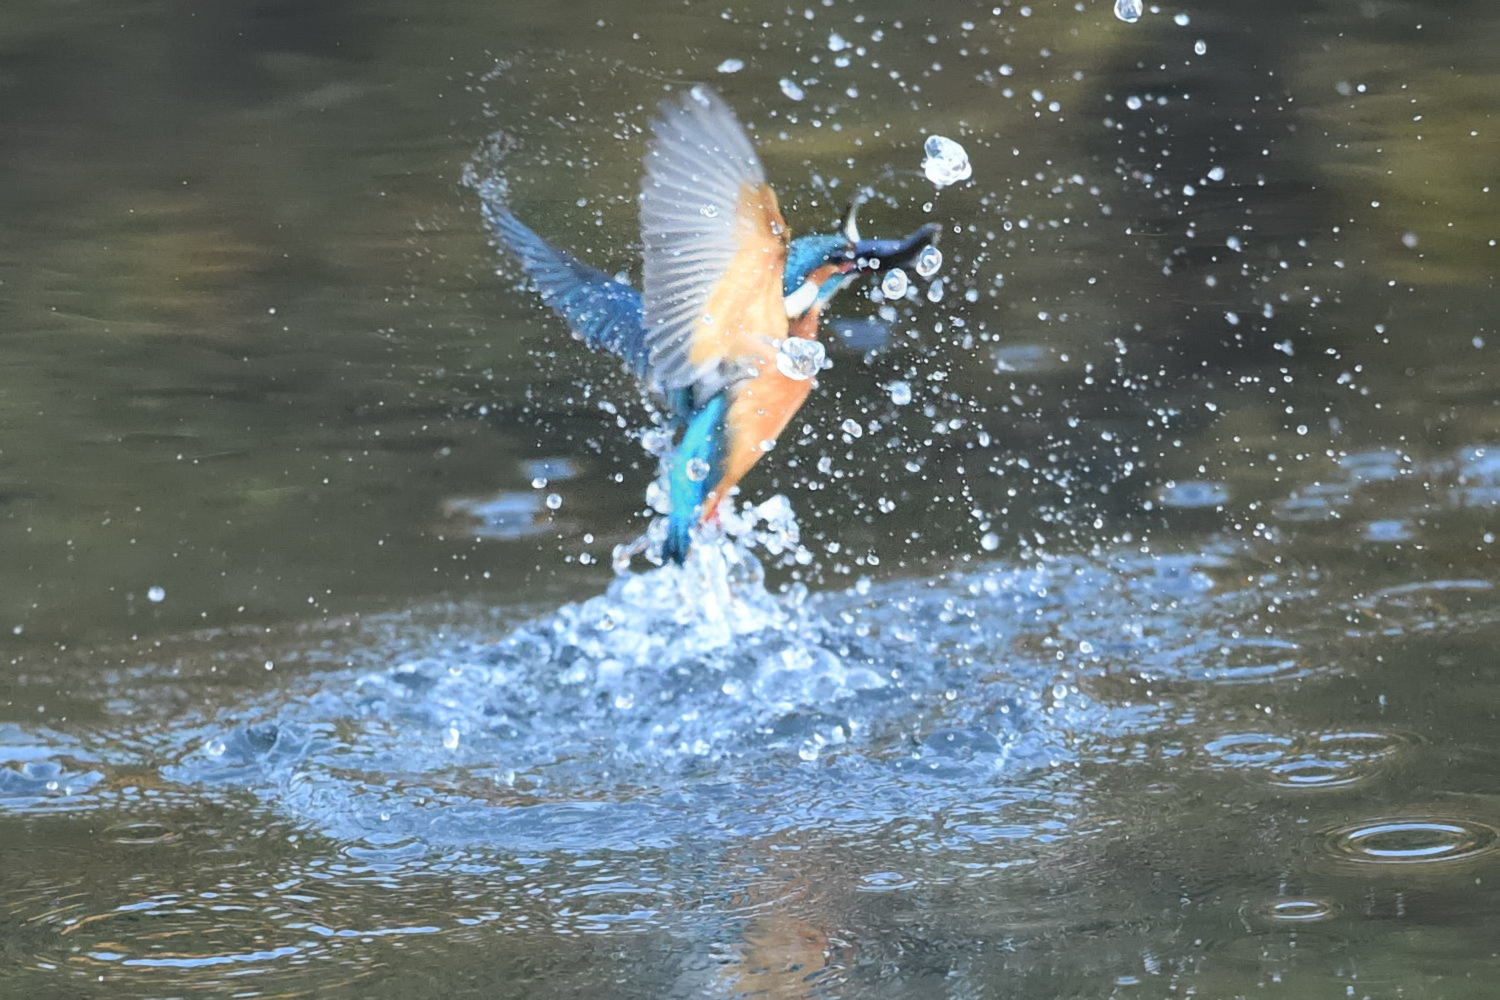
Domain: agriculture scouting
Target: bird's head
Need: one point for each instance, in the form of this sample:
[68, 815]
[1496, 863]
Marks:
[819, 266]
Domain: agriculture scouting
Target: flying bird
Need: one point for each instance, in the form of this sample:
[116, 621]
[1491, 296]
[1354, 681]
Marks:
[724, 329]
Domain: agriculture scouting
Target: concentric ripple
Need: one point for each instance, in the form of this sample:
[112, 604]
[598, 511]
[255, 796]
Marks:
[1296, 911]
[1306, 761]
[1412, 841]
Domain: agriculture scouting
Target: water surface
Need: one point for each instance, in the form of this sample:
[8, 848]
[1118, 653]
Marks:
[1137, 641]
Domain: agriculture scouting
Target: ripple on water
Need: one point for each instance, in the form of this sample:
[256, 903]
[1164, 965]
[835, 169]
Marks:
[504, 516]
[142, 833]
[1238, 659]
[41, 786]
[884, 882]
[1195, 494]
[1400, 841]
[1295, 911]
[306, 925]
[1428, 605]
[1314, 761]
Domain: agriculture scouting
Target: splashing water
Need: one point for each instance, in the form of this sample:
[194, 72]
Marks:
[945, 161]
[800, 359]
[589, 728]
[929, 261]
[894, 284]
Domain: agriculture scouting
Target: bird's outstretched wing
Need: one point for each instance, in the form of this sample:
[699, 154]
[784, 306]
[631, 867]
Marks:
[715, 249]
[601, 311]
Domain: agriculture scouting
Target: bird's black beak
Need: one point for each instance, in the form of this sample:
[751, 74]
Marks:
[882, 255]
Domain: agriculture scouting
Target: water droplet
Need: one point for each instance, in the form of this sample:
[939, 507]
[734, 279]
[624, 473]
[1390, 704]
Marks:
[790, 88]
[894, 284]
[800, 359]
[709, 211]
[156, 595]
[697, 470]
[837, 42]
[553, 501]
[900, 392]
[731, 65]
[928, 261]
[451, 738]
[851, 427]
[945, 162]
[1128, 11]
[1216, 174]
[1200, 47]
[990, 541]
[657, 440]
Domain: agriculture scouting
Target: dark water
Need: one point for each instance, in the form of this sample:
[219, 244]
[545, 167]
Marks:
[1146, 651]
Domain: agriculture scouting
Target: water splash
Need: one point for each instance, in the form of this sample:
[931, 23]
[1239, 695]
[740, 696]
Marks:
[945, 162]
[800, 359]
[894, 284]
[929, 261]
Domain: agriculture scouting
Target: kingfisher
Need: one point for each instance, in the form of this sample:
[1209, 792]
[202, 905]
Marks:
[723, 331]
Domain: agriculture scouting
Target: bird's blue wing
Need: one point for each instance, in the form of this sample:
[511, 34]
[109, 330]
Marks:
[601, 311]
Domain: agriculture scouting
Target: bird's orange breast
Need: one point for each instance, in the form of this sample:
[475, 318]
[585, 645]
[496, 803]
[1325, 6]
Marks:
[760, 411]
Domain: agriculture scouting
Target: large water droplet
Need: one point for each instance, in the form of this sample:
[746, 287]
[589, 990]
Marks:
[945, 162]
[697, 470]
[800, 359]
[1128, 11]
[928, 261]
[790, 88]
[894, 284]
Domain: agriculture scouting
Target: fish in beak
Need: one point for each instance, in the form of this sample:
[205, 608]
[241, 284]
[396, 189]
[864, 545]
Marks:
[882, 255]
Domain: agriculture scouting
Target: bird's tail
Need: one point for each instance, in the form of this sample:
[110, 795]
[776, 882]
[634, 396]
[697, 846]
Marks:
[691, 473]
[679, 537]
